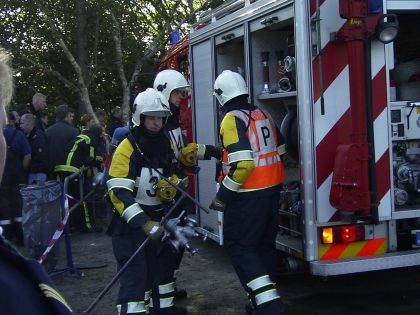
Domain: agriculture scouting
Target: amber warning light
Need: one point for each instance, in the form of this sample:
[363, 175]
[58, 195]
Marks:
[342, 234]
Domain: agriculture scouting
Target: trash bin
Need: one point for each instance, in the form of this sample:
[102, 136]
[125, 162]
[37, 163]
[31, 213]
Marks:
[41, 214]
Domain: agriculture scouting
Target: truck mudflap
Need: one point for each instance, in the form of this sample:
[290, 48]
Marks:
[363, 264]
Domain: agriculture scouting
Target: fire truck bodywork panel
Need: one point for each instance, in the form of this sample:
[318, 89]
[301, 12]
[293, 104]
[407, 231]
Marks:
[323, 102]
[363, 264]
[205, 132]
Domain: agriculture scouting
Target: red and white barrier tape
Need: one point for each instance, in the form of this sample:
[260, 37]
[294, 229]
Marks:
[58, 232]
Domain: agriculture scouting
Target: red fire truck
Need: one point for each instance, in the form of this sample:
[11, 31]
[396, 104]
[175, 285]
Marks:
[342, 80]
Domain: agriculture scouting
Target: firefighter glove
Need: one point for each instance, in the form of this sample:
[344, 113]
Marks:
[188, 156]
[153, 229]
[165, 191]
[217, 205]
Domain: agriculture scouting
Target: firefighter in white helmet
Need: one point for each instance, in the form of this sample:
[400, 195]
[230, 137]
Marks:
[132, 186]
[176, 88]
[249, 190]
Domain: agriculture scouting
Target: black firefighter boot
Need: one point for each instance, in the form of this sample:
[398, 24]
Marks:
[163, 301]
[180, 294]
[173, 310]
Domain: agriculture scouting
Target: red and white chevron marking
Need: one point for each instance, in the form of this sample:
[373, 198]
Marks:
[58, 232]
[334, 127]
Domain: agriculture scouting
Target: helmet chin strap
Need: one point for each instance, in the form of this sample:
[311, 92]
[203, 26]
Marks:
[154, 133]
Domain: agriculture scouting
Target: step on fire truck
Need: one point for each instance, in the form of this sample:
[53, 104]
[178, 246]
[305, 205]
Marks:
[342, 80]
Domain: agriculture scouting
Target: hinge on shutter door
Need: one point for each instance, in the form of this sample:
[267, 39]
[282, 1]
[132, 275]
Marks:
[270, 20]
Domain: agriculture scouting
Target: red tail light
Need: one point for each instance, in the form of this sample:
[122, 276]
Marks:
[342, 234]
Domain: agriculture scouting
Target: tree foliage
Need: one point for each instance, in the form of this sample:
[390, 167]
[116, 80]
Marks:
[86, 52]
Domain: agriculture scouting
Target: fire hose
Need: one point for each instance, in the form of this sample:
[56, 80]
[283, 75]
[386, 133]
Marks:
[285, 83]
[178, 233]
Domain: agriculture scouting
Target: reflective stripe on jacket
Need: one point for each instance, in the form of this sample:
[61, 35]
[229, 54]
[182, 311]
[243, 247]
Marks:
[123, 172]
[71, 160]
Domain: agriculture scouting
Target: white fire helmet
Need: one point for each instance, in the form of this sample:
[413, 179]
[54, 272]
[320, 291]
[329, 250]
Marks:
[150, 103]
[168, 80]
[228, 85]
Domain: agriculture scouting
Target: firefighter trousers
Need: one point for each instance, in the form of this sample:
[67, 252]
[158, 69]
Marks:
[250, 228]
[171, 257]
[146, 271]
[163, 281]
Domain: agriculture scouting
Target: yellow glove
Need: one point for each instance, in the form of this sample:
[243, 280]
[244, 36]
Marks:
[188, 156]
[153, 229]
[165, 191]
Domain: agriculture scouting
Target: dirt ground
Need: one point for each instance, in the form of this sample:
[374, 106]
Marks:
[212, 285]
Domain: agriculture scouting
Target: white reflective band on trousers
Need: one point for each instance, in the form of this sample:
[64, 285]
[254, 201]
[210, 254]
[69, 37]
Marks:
[5, 222]
[166, 289]
[148, 300]
[133, 308]
[259, 282]
[268, 295]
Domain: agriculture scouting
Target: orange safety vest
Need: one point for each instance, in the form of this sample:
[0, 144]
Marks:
[262, 135]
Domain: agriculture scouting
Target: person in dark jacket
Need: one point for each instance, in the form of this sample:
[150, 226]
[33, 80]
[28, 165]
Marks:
[39, 103]
[133, 178]
[115, 121]
[38, 168]
[249, 186]
[18, 157]
[119, 134]
[25, 287]
[59, 135]
[82, 156]
[173, 85]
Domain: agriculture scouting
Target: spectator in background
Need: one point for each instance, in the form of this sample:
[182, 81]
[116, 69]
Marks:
[59, 135]
[39, 103]
[17, 118]
[18, 157]
[101, 116]
[119, 134]
[103, 148]
[45, 120]
[116, 120]
[81, 155]
[26, 288]
[38, 168]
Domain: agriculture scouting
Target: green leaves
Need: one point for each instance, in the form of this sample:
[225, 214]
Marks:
[75, 52]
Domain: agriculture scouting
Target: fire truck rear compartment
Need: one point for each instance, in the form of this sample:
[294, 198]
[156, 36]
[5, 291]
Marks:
[263, 49]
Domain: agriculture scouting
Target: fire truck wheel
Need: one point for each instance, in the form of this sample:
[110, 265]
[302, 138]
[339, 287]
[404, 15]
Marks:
[289, 131]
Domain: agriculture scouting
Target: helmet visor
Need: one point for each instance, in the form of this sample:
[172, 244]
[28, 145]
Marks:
[160, 113]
